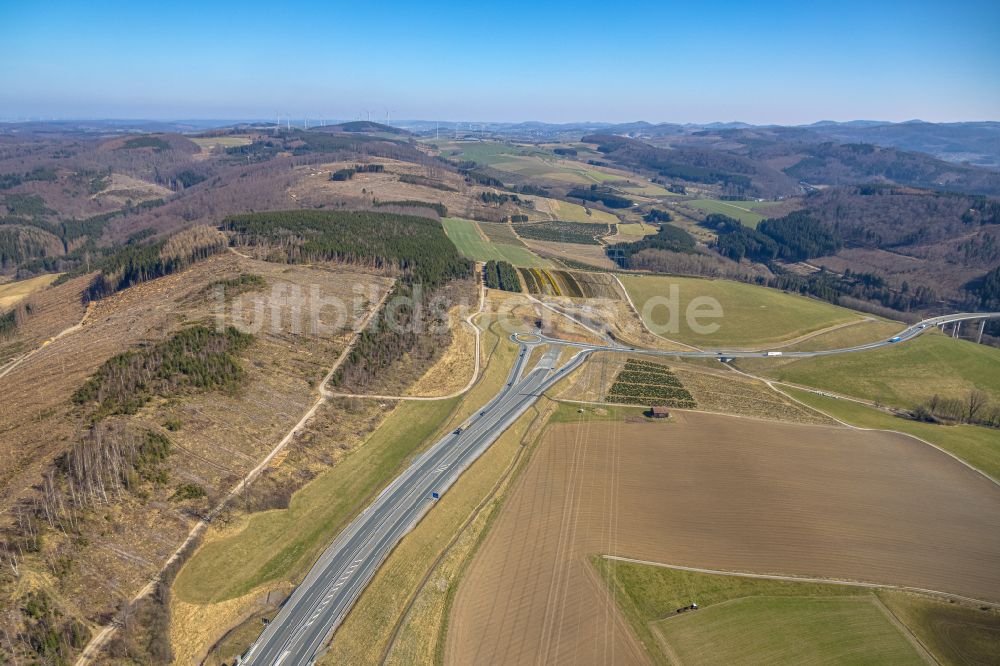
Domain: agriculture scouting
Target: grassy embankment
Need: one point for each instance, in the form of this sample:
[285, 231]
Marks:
[902, 375]
[752, 316]
[279, 546]
[282, 544]
[368, 629]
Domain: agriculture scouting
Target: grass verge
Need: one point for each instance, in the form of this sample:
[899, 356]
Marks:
[751, 315]
[282, 544]
[366, 632]
[902, 375]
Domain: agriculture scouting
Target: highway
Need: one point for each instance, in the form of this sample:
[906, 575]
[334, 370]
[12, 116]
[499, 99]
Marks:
[328, 592]
[908, 333]
[319, 604]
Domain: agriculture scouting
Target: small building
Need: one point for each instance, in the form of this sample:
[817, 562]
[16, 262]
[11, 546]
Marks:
[659, 412]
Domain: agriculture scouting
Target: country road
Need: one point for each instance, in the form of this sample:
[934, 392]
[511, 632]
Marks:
[319, 604]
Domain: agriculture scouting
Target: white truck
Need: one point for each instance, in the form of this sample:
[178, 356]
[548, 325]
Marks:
[772, 353]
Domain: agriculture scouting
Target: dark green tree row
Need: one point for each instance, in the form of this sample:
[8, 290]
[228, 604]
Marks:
[669, 237]
[196, 358]
[475, 176]
[425, 182]
[498, 199]
[417, 247]
[437, 207]
[531, 189]
[602, 194]
[348, 173]
[656, 215]
[501, 275]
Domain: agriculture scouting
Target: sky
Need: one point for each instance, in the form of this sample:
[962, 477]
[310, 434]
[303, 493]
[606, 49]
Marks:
[758, 62]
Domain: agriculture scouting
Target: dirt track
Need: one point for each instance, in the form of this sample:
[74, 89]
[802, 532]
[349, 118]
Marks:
[718, 492]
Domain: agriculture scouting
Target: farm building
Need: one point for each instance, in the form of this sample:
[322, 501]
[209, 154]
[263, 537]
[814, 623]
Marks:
[659, 412]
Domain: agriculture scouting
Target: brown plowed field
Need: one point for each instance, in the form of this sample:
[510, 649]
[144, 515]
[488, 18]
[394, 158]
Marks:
[717, 492]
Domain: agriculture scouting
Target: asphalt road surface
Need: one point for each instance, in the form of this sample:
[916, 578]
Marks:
[907, 334]
[320, 603]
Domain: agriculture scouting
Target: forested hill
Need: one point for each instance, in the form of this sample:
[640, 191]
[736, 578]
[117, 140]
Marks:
[987, 290]
[962, 229]
[768, 163]
[737, 175]
[366, 126]
[851, 163]
[415, 246]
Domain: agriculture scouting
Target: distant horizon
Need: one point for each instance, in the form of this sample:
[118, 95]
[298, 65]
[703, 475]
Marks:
[394, 121]
[777, 62]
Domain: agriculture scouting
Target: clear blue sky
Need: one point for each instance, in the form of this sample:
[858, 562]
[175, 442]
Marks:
[760, 62]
